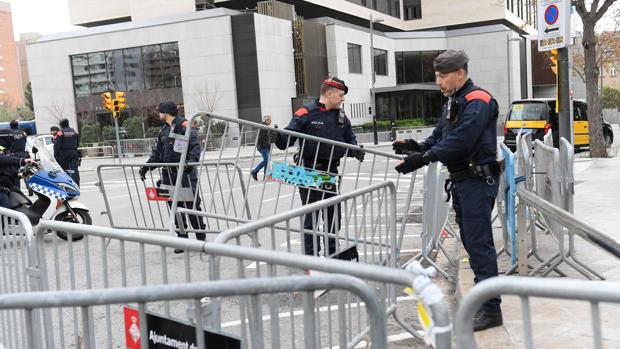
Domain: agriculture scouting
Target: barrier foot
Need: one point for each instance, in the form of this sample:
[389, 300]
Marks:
[547, 263]
[445, 253]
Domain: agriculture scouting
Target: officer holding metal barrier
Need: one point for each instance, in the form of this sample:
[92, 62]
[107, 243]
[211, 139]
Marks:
[168, 150]
[322, 118]
[465, 140]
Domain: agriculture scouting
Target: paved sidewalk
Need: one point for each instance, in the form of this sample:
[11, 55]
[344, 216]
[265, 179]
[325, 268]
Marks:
[567, 324]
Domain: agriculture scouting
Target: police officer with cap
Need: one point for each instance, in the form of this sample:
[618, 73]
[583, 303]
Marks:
[66, 150]
[165, 151]
[465, 140]
[9, 164]
[322, 118]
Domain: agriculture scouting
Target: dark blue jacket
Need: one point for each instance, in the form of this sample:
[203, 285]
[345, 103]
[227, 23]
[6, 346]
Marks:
[313, 119]
[471, 136]
[164, 149]
[66, 145]
[19, 143]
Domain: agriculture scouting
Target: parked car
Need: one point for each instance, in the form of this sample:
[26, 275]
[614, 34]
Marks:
[539, 117]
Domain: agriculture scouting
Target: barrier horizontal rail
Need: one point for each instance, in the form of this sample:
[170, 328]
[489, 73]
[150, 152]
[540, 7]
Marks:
[86, 299]
[128, 258]
[526, 288]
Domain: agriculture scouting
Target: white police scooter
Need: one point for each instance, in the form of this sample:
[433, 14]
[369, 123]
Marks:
[56, 193]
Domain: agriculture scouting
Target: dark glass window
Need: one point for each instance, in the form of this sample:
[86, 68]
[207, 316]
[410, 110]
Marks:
[133, 69]
[98, 73]
[428, 73]
[116, 71]
[129, 69]
[81, 77]
[412, 9]
[400, 68]
[413, 67]
[170, 65]
[388, 7]
[380, 57]
[151, 57]
[355, 58]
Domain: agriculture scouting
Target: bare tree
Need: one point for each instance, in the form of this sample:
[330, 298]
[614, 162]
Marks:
[57, 110]
[590, 17]
[207, 97]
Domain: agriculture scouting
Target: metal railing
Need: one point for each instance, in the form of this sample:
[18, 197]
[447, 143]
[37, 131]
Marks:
[527, 288]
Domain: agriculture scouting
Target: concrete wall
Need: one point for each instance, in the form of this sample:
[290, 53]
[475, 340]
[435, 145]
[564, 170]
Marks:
[206, 59]
[85, 11]
[276, 70]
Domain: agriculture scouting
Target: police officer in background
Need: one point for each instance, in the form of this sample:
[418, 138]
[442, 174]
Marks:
[8, 167]
[165, 152]
[18, 147]
[66, 150]
[465, 140]
[322, 118]
[54, 131]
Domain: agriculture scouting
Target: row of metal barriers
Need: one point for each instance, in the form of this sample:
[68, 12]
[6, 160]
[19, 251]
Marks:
[251, 284]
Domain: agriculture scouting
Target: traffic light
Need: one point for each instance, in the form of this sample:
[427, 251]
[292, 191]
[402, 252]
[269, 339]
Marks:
[108, 103]
[121, 99]
[553, 57]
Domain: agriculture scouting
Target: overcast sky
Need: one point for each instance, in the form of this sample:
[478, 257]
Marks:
[43, 16]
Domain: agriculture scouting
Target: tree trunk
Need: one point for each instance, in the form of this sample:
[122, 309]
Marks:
[595, 116]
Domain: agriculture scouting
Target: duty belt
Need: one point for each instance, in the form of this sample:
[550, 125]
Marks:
[486, 172]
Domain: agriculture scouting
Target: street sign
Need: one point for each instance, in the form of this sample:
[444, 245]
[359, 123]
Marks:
[166, 333]
[553, 24]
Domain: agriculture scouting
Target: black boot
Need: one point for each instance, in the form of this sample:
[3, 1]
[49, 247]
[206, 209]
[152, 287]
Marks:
[178, 250]
[485, 319]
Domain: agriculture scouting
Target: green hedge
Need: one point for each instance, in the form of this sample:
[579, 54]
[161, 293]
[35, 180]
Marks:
[384, 125]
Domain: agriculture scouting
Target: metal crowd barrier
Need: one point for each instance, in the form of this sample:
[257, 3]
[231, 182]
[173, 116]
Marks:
[112, 258]
[16, 253]
[227, 190]
[525, 288]
[133, 204]
[435, 216]
[101, 152]
[553, 182]
[85, 302]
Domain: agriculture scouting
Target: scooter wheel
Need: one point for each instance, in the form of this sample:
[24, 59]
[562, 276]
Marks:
[83, 217]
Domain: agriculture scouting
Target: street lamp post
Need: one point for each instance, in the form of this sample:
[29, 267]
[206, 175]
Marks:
[373, 112]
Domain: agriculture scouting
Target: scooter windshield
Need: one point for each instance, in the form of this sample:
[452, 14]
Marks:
[47, 160]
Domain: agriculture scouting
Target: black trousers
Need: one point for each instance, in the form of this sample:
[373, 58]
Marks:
[331, 218]
[190, 179]
[473, 200]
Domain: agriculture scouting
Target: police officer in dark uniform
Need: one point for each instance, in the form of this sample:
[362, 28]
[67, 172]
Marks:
[465, 140]
[8, 167]
[18, 147]
[66, 150]
[165, 152]
[322, 118]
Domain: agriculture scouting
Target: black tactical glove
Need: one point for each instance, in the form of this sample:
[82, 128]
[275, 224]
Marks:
[406, 147]
[143, 171]
[413, 162]
[358, 154]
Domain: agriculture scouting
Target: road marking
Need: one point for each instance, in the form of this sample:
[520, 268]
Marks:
[300, 312]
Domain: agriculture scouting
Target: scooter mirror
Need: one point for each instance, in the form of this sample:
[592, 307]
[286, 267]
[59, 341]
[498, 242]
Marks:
[35, 150]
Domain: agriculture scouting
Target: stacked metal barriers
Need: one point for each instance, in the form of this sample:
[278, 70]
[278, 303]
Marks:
[112, 258]
[226, 190]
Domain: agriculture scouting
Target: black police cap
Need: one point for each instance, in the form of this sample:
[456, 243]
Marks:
[168, 107]
[449, 61]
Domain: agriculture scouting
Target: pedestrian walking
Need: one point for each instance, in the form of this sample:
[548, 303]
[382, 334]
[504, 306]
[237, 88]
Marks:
[263, 145]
